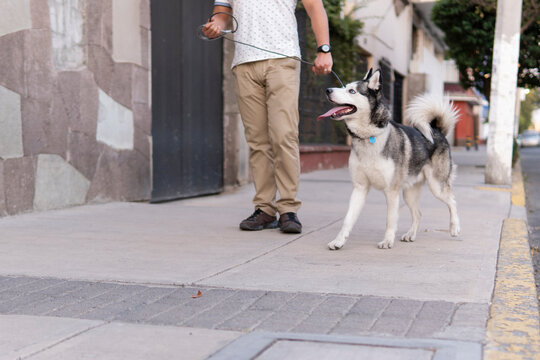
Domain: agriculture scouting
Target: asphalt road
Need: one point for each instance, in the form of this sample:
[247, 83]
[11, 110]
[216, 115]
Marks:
[530, 163]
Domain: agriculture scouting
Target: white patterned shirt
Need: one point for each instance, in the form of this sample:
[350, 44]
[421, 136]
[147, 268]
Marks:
[268, 24]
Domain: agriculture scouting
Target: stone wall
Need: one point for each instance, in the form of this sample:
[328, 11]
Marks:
[75, 119]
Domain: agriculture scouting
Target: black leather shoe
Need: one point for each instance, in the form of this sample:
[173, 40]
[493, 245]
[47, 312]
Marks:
[259, 220]
[289, 223]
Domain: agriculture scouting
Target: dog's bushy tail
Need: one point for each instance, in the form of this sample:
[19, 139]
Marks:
[426, 112]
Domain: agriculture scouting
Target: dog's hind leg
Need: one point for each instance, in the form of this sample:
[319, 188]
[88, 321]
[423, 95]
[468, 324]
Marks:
[412, 196]
[392, 203]
[443, 191]
[356, 203]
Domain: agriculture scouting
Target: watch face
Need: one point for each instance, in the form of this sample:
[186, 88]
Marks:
[325, 48]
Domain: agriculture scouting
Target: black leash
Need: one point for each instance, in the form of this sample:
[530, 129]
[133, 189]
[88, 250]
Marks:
[235, 28]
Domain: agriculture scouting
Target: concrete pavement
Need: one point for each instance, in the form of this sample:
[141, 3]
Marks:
[117, 280]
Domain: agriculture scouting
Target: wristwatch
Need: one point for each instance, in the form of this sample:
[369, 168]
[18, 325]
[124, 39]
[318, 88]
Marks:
[325, 48]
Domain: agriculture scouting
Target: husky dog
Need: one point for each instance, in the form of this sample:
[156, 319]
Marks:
[389, 156]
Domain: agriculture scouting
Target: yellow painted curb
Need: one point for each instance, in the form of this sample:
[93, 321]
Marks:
[513, 329]
[518, 189]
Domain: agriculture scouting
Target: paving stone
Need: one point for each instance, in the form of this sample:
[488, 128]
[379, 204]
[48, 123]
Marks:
[369, 305]
[471, 315]
[326, 315]
[426, 327]
[17, 304]
[282, 321]
[28, 288]
[14, 282]
[41, 307]
[402, 308]
[117, 294]
[442, 310]
[16, 297]
[192, 306]
[355, 324]
[317, 324]
[392, 325]
[68, 287]
[272, 300]
[111, 311]
[245, 321]
[304, 303]
[151, 310]
[338, 305]
[224, 310]
[243, 310]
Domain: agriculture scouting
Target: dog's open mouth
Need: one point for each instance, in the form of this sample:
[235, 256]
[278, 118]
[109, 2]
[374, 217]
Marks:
[338, 111]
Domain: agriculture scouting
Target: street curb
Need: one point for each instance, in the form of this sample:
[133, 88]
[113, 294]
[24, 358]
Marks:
[513, 326]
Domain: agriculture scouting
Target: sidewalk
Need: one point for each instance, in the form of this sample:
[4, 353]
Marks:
[116, 281]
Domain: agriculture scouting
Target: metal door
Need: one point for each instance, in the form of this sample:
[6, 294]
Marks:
[187, 115]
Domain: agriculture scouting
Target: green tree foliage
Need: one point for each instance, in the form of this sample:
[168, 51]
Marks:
[469, 27]
[531, 102]
[343, 30]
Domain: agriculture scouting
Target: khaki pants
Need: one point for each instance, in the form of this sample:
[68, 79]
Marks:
[267, 93]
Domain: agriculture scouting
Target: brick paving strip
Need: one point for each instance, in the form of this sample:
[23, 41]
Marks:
[242, 310]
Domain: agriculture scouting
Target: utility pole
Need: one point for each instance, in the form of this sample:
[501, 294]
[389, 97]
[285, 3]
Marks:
[503, 93]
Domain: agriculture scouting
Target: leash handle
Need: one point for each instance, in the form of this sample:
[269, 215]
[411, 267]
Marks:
[223, 32]
[206, 38]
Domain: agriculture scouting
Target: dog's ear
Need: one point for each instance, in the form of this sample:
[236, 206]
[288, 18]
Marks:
[374, 82]
[368, 74]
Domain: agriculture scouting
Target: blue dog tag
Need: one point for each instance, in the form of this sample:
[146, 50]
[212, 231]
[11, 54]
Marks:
[372, 139]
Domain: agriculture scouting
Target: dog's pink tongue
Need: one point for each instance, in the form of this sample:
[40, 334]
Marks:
[332, 112]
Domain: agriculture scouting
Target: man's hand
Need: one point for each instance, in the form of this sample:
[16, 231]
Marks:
[214, 26]
[322, 64]
[218, 22]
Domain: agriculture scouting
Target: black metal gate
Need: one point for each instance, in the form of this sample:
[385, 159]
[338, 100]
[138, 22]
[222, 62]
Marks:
[187, 115]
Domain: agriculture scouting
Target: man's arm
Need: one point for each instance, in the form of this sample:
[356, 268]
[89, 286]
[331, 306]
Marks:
[319, 23]
[218, 22]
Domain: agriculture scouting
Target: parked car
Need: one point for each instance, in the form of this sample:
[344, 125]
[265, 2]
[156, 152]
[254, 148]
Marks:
[529, 138]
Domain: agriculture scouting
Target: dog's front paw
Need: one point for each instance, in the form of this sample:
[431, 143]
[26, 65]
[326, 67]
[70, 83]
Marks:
[336, 244]
[410, 236]
[386, 244]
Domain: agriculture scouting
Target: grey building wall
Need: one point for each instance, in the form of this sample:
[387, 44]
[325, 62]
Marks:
[75, 119]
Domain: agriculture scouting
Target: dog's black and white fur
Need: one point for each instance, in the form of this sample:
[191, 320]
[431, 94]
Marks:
[389, 156]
